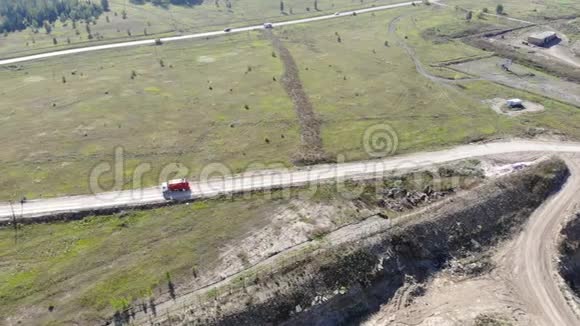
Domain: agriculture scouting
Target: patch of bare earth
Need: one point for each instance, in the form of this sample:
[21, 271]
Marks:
[469, 290]
[311, 149]
[500, 107]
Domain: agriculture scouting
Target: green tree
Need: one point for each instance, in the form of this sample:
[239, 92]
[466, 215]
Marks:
[47, 27]
[281, 6]
[469, 15]
[499, 9]
[19, 15]
[105, 5]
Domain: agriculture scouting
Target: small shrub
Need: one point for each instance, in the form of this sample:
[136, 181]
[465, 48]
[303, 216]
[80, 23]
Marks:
[499, 9]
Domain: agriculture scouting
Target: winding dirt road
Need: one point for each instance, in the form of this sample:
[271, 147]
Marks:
[530, 259]
[524, 287]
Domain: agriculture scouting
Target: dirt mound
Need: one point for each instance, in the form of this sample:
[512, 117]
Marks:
[576, 48]
[328, 283]
[570, 254]
[311, 150]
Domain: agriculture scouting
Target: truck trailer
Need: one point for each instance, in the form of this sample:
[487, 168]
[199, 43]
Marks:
[175, 185]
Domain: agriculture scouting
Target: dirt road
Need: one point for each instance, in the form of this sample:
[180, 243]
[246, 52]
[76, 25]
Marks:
[524, 287]
[198, 35]
[530, 259]
[273, 179]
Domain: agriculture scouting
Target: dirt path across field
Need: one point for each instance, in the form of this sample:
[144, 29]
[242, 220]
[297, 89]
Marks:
[419, 66]
[311, 149]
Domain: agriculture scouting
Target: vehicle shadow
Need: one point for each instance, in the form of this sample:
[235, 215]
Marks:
[177, 195]
[552, 43]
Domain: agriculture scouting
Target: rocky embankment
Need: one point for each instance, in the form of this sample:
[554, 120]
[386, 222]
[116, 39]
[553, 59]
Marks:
[570, 255]
[344, 283]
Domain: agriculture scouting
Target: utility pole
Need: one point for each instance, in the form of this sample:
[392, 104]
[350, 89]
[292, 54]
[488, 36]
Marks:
[14, 222]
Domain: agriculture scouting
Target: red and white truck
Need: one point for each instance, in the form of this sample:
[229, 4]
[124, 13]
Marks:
[175, 185]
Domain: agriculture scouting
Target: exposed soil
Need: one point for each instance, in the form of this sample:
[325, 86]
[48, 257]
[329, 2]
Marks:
[305, 220]
[496, 287]
[558, 51]
[526, 55]
[354, 270]
[311, 150]
[521, 77]
[500, 107]
[570, 257]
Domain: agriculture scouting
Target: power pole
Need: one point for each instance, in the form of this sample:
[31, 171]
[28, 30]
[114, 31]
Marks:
[14, 222]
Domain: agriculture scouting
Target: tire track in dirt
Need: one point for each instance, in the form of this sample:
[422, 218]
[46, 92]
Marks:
[311, 150]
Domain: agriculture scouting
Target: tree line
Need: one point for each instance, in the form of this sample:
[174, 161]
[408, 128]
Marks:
[166, 3]
[20, 14]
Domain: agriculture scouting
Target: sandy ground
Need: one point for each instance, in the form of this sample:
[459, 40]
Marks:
[500, 107]
[452, 300]
[522, 288]
[523, 78]
[561, 51]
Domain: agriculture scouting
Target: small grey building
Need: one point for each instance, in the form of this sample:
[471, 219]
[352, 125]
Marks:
[542, 39]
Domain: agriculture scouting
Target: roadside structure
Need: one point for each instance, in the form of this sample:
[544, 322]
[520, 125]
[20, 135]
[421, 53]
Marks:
[542, 39]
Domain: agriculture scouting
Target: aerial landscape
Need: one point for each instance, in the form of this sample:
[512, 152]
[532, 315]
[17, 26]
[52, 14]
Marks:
[290, 162]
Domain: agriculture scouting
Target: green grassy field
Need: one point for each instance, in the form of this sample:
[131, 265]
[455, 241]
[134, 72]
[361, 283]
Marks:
[147, 21]
[90, 268]
[383, 86]
[215, 100]
[54, 132]
[220, 100]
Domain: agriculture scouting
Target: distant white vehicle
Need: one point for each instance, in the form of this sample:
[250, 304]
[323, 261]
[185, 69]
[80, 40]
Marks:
[227, 30]
[337, 13]
[515, 103]
[268, 25]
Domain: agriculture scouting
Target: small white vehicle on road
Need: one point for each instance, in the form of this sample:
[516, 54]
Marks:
[268, 26]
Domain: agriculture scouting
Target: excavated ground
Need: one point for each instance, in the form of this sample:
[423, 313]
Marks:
[346, 276]
[570, 256]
